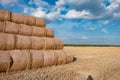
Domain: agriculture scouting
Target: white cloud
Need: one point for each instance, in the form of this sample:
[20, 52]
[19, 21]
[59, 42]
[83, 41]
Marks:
[25, 10]
[105, 37]
[84, 38]
[38, 2]
[60, 2]
[43, 10]
[7, 2]
[39, 13]
[96, 10]
[106, 22]
[53, 15]
[113, 7]
[104, 30]
[76, 14]
[92, 28]
[42, 14]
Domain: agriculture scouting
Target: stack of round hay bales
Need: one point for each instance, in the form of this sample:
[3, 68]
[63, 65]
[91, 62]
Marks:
[23, 29]
[26, 43]
[12, 41]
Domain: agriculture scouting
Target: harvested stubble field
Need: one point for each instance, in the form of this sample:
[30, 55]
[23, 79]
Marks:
[102, 63]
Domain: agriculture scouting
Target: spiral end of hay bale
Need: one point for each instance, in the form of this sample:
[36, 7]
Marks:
[69, 56]
[59, 44]
[61, 58]
[49, 32]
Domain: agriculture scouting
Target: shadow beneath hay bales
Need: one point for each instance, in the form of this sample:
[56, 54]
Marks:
[74, 59]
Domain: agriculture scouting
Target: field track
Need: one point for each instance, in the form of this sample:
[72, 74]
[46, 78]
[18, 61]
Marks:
[102, 63]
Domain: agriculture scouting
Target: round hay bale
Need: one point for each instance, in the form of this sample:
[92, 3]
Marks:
[2, 41]
[25, 29]
[69, 56]
[2, 26]
[4, 60]
[49, 58]
[11, 27]
[29, 20]
[49, 32]
[10, 42]
[37, 43]
[17, 18]
[20, 59]
[49, 43]
[61, 57]
[37, 58]
[28, 58]
[40, 22]
[4, 15]
[55, 57]
[59, 44]
[37, 31]
[7, 41]
[23, 42]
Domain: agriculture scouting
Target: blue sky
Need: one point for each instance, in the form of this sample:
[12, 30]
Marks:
[74, 21]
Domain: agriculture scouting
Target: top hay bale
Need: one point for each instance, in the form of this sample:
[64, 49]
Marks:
[28, 20]
[4, 15]
[21, 19]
